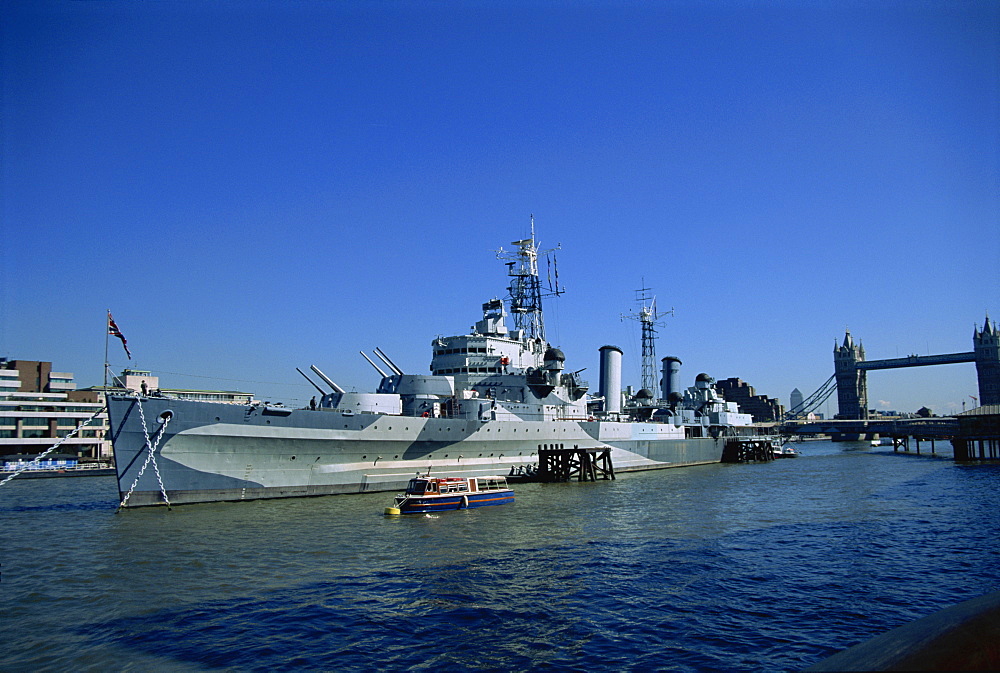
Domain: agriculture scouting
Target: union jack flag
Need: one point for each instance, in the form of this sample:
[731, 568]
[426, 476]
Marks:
[114, 331]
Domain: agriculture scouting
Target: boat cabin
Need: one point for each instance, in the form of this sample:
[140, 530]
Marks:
[429, 485]
[444, 485]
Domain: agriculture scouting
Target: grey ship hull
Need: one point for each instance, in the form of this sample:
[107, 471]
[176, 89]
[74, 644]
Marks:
[210, 452]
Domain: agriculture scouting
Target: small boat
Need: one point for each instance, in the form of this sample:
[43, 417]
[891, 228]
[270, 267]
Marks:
[436, 494]
[785, 451]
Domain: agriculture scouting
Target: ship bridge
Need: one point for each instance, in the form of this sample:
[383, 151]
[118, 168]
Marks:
[489, 349]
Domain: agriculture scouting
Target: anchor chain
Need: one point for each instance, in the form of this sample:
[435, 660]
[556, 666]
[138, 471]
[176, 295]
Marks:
[55, 446]
[149, 458]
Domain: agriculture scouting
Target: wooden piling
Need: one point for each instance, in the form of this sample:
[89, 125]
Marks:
[747, 450]
[583, 464]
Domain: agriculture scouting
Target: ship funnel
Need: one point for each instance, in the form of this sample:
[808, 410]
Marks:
[329, 382]
[670, 383]
[611, 378]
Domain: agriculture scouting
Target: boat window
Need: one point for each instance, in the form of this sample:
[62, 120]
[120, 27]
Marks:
[417, 486]
[494, 484]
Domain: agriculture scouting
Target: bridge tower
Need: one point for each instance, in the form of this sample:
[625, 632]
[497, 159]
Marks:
[986, 347]
[852, 383]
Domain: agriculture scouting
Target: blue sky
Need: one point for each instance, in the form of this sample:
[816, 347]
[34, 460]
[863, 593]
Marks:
[252, 187]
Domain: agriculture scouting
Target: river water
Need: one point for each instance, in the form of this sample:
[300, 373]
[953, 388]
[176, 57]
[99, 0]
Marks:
[754, 567]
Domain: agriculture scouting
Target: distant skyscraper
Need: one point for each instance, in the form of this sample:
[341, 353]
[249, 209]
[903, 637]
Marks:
[795, 400]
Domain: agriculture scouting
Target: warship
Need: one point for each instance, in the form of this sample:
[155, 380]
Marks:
[495, 399]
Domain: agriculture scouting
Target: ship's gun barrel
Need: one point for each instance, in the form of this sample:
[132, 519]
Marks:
[321, 391]
[372, 364]
[329, 382]
[387, 361]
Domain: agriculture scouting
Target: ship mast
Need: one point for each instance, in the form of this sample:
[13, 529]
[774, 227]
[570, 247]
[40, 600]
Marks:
[526, 287]
[648, 317]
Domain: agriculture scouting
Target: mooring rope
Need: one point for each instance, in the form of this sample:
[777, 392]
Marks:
[55, 446]
[149, 458]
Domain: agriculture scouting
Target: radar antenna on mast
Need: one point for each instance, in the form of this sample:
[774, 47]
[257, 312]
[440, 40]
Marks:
[649, 317]
[526, 287]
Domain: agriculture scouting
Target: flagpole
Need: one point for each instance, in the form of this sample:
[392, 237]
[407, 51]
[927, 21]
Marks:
[107, 332]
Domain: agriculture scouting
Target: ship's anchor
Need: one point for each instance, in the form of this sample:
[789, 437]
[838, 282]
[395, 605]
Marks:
[151, 458]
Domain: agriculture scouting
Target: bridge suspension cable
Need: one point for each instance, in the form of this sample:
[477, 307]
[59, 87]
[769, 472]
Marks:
[814, 401]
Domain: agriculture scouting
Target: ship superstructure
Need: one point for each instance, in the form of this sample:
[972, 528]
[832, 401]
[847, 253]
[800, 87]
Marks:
[494, 398]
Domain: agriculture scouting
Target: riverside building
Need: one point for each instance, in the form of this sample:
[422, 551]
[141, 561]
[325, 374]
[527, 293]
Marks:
[38, 407]
[143, 382]
[764, 409]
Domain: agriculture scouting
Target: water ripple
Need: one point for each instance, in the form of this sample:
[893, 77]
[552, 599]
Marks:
[739, 569]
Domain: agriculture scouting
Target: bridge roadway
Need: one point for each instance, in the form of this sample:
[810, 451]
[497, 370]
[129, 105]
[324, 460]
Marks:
[916, 361]
[943, 427]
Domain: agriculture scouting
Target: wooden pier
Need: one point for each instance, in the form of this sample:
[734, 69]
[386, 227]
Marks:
[583, 464]
[979, 434]
[902, 442]
[747, 450]
[977, 448]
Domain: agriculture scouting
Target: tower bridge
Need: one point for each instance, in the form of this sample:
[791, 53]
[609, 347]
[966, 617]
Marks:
[851, 369]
